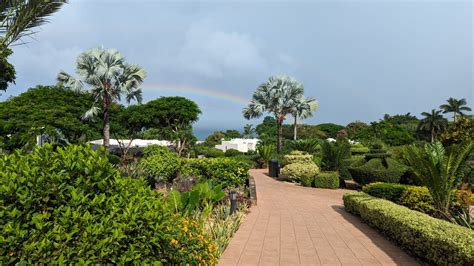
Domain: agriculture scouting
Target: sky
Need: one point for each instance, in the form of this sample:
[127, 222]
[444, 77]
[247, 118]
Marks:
[359, 59]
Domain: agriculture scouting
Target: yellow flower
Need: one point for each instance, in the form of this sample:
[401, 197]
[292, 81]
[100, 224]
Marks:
[185, 229]
[174, 241]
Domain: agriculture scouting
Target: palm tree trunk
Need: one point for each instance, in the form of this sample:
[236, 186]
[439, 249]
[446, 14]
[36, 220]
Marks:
[279, 135]
[106, 124]
[294, 128]
[432, 134]
[454, 117]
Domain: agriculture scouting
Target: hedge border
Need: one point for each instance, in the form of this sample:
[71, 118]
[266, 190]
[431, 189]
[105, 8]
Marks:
[433, 240]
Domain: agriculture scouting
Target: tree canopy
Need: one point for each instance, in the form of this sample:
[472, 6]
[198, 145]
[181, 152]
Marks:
[51, 110]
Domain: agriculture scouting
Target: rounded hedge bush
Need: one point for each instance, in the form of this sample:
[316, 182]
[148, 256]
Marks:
[160, 165]
[232, 153]
[327, 180]
[228, 172]
[70, 206]
[296, 171]
[297, 157]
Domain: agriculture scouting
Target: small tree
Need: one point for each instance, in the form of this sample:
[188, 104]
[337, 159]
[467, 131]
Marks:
[304, 108]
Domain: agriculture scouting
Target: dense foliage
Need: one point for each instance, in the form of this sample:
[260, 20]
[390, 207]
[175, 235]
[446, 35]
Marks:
[327, 180]
[227, 172]
[330, 129]
[434, 240]
[70, 205]
[50, 110]
[159, 165]
[7, 70]
[297, 171]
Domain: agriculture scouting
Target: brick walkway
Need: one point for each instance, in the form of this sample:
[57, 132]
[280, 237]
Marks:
[293, 225]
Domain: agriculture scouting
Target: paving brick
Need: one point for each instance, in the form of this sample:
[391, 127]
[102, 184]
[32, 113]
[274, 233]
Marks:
[294, 225]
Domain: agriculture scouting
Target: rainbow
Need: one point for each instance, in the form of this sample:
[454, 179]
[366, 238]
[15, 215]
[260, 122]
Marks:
[197, 91]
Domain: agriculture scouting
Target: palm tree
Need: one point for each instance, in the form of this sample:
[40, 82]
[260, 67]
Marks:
[433, 122]
[304, 108]
[109, 77]
[278, 95]
[18, 18]
[455, 106]
[439, 169]
[249, 131]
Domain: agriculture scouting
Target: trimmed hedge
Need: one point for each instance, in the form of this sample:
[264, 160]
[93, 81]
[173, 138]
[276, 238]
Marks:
[434, 240]
[327, 180]
[377, 170]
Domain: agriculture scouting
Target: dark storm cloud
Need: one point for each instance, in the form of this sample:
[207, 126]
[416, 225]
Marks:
[360, 59]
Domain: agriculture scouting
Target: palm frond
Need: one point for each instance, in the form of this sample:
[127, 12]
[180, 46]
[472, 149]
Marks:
[91, 113]
[19, 17]
[69, 81]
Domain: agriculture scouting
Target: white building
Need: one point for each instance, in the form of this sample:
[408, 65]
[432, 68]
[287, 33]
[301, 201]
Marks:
[242, 145]
[136, 143]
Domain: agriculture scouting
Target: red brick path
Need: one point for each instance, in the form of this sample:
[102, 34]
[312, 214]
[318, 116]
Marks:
[293, 225]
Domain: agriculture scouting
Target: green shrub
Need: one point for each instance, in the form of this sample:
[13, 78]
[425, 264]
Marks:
[155, 150]
[333, 154]
[228, 172]
[377, 170]
[310, 146]
[307, 180]
[232, 153]
[388, 191]
[418, 199]
[208, 152]
[70, 206]
[327, 180]
[160, 166]
[295, 171]
[298, 157]
[436, 241]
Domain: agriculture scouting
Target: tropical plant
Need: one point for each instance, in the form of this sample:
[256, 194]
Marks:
[265, 153]
[109, 77]
[249, 131]
[439, 169]
[202, 197]
[278, 95]
[304, 108]
[333, 154]
[18, 19]
[455, 106]
[310, 146]
[432, 122]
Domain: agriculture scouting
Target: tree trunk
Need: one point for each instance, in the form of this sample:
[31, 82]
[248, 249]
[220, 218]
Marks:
[106, 123]
[432, 134]
[279, 134]
[294, 127]
[454, 117]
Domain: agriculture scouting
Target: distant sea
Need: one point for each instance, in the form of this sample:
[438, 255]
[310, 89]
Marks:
[202, 133]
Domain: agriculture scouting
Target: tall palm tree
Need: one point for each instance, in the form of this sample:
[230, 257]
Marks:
[278, 95]
[304, 108]
[455, 106]
[18, 18]
[108, 77]
[433, 122]
[249, 131]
